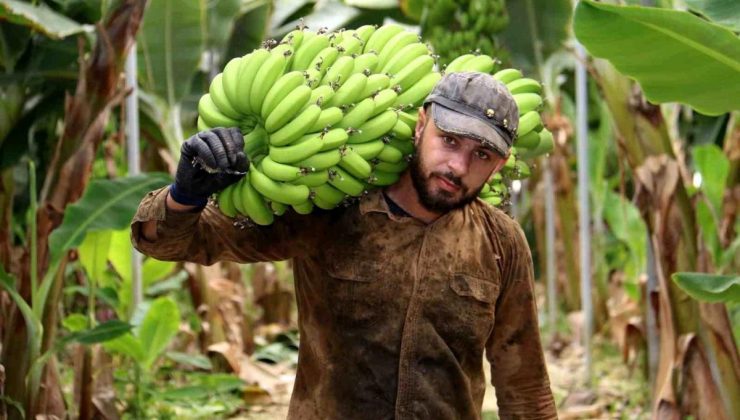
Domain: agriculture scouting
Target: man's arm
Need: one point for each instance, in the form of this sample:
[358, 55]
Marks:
[149, 227]
[518, 370]
[176, 223]
[179, 233]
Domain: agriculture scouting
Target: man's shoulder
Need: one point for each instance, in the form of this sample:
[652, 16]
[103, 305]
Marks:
[496, 219]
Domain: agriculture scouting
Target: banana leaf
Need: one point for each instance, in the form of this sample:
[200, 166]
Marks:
[543, 24]
[710, 287]
[106, 204]
[674, 55]
[169, 47]
[159, 326]
[723, 12]
[41, 18]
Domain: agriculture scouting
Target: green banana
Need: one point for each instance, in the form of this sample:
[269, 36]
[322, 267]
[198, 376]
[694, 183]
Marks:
[327, 119]
[524, 85]
[358, 115]
[218, 96]
[247, 73]
[381, 178]
[230, 81]
[349, 91]
[390, 154]
[409, 119]
[334, 139]
[507, 76]
[225, 203]
[401, 131]
[313, 179]
[395, 168]
[374, 128]
[320, 203]
[344, 182]
[404, 57]
[328, 194]
[321, 160]
[457, 64]
[365, 32]
[202, 126]
[320, 95]
[482, 63]
[339, 72]
[284, 86]
[294, 38]
[278, 209]
[308, 50]
[365, 63]
[254, 205]
[353, 163]
[279, 171]
[528, 122]
[405, 146]
[351, 44]
[288, 108]
[278, 191]
[296, 128]
[264, 79]
[375, 83]
[255, 143]
[412, 73]
[527, 102]
[210, 114]
[236, 195]
[528, 141]
[369, 150]
[381, 36]
[324, 59]
[303, 208]
[383, 100]
[298, 151]
[394, 45]
[415, 94]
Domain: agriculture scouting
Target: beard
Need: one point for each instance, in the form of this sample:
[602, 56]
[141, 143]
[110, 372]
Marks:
[440, 201]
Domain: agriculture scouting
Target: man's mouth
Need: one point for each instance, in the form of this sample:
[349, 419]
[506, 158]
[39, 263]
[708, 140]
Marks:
[447, 184]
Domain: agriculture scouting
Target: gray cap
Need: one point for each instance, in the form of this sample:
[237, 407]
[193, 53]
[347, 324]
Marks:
[475, 105]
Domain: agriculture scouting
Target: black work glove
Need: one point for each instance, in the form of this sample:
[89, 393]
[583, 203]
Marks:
[209, 162]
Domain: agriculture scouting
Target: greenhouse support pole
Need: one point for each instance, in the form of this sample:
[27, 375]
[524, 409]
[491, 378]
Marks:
[584, 212]
[651, 322]
[132, 153]
[552, 303]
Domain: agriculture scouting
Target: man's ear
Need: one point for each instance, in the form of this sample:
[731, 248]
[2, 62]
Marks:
[420, 122]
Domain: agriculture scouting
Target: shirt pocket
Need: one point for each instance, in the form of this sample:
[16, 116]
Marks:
[469, 286]
[473, 305]
[354, 291]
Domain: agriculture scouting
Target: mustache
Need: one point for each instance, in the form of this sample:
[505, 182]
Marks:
[449, 176]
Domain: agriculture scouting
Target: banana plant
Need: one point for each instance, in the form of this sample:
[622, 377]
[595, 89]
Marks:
[673, 221]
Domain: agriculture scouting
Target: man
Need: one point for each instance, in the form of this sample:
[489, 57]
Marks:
[400, 294]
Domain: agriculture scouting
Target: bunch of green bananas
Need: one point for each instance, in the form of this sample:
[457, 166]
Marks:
[323, 116]
[455, 27]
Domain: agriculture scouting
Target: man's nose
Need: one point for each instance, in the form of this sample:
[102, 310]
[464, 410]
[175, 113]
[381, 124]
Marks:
[459, 164]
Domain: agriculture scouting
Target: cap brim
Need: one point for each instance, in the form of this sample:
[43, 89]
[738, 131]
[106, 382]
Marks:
[466, 126]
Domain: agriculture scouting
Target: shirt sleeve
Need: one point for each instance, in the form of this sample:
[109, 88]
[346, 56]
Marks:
[209, 236]
[518, 368]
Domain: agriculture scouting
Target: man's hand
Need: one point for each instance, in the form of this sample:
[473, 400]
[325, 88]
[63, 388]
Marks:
[209, 162]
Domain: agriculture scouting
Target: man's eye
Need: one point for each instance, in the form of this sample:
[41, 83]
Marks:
[448, 140]
[482, 155]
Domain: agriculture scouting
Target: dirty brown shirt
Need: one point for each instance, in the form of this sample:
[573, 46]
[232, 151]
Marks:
[394, 314]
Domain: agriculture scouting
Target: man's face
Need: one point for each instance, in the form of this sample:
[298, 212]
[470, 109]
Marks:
[449, 171]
